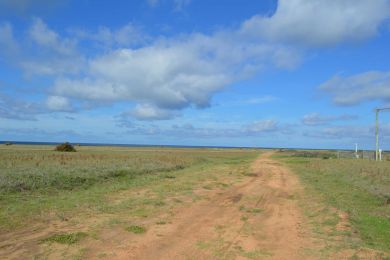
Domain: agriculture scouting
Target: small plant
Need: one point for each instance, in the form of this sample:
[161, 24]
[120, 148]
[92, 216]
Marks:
[255, 210]
[8, 143]
[69, 238]
[244, 218]
[65, 147]
[250, 210]
[169, 176]
[136, 229]
[387, 199]
[207, 187]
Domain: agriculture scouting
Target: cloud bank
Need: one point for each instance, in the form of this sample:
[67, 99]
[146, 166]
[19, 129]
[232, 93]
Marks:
[320, 22]
[162, 75]
[315, 119]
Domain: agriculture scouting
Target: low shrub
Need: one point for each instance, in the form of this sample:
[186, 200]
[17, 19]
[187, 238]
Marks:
[314, 154]
[65, 147]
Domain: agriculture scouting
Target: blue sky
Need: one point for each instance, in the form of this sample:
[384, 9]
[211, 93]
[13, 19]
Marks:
[288, 73]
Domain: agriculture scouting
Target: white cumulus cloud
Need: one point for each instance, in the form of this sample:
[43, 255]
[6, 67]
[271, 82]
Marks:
[320, 22]
[174, 73]
[49, 54]
[352, 90]
[47, 38]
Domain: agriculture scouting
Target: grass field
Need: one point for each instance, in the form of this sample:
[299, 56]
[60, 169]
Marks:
[56, 205]
[46, 171]
[37, 183]
[359, 188]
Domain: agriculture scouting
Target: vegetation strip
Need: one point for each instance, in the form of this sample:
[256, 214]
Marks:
[360, 188]
[35, 181]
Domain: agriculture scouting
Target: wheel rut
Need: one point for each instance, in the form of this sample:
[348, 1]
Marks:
[258, 218]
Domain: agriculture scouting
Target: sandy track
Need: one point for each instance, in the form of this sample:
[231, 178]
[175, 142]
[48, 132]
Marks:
[259, 218]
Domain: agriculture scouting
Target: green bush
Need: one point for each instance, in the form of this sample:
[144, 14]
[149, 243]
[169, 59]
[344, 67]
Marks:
[65, 147]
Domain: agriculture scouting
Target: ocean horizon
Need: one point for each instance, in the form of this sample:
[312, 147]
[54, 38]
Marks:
[171, 146]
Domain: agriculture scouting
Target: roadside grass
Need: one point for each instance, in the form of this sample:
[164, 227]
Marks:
[104, 180]
[152, 181]
[359, 188]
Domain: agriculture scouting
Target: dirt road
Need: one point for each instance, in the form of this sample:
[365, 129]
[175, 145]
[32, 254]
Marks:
[232, 214]
[258, 218]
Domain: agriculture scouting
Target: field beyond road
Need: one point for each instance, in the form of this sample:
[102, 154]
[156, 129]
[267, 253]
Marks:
[168, 203]
[347, 201]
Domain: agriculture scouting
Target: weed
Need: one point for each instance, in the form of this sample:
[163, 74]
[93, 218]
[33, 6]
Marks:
[256, 254]
[249, 174]
[203, 245]
[169, 176]
[244, 218]
[114, 222]
[250, 210]
[255, 210]
[136, 229]
[207, 187]
[67, 238]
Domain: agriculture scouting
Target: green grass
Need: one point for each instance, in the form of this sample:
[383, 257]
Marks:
[68, 238]
[49, 171]
[104, 188]
[244, 218]
[136, 229]
[250, 210]
[38, 184]
[360, 188]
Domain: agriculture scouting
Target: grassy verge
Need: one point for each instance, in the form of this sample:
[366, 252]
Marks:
[360, 188]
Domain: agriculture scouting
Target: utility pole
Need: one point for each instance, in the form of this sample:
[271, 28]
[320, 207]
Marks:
[356, 151]
[377, 110]
[377, 134]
